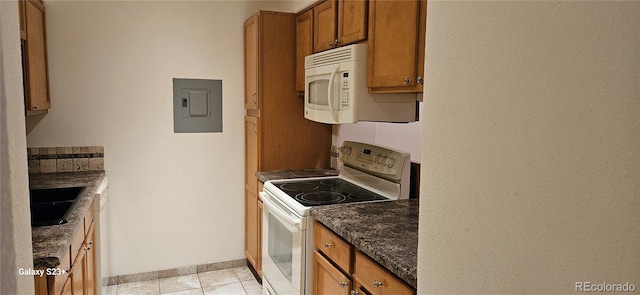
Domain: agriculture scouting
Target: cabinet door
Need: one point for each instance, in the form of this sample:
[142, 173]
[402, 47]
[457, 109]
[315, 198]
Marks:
[251, 129]
[77, 274]
[328, 280]
[304, 45]
[66, 289]
[324, 24]
[89, 262]
[251, 55]
[23, 24]
[37, 84]
[393, 44]
[352, 21]
[251, 249]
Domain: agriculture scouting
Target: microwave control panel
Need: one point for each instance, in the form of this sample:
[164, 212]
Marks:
[345, 81]
[375, 159]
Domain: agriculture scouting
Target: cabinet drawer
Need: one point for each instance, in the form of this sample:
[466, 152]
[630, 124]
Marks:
[333, 246]
[378, 280]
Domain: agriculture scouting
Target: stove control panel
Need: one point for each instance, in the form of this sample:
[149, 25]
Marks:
[387, 162]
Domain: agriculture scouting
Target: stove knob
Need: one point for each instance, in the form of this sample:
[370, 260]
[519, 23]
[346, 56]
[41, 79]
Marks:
[390, 162]
[346, 150]
[382, 160]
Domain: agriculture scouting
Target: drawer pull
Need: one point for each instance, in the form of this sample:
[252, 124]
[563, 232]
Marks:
[328, 245]
[343, 284]
[377, 284]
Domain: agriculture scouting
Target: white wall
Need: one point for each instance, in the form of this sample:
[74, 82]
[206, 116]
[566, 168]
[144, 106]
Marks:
[176, 199]
[14, 196]
[402, 136]
[531, 161]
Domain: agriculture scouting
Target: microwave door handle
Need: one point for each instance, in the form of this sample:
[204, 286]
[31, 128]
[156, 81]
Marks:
[330, 94]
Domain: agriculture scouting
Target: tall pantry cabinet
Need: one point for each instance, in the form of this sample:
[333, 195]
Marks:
[277, 136]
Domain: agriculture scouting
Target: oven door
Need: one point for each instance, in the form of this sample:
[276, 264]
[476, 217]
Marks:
[283, 248]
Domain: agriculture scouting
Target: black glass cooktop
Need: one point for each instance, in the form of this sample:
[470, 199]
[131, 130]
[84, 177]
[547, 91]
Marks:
[327, 191]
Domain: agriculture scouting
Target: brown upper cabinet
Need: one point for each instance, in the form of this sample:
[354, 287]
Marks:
[325, 25]
[34, 56]
[338, 23]
[396, 45]
[304, 45]
[251, 96]
[352, 21]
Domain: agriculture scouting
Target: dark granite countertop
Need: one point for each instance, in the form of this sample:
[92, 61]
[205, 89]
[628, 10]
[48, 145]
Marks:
[384, 231]
[51, 243]
[301, 173]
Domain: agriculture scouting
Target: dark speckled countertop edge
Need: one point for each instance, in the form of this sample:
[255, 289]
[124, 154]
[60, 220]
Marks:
[51, 243]
[299, 173]
[397, 257]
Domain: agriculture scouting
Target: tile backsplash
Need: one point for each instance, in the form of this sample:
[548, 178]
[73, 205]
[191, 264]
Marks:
[65, 159]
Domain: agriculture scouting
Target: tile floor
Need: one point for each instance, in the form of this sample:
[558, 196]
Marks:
[231, 281]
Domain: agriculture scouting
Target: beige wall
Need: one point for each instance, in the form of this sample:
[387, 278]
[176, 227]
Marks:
[531, 161]
[406, 137]
[176, 199]
[15, 217]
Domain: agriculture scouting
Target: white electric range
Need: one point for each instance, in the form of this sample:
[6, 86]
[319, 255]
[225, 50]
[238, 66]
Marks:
[370, 174]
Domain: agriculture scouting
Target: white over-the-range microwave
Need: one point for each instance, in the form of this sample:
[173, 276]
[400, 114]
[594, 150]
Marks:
[336, 90]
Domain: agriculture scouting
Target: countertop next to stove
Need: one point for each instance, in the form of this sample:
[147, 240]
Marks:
[385, 231]
[301, 173]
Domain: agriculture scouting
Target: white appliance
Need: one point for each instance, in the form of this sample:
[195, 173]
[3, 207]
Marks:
[336, 90]
[103, 265]
[370, 174]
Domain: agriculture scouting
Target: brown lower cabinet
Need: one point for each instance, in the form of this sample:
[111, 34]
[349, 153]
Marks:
[79, 277]
[339, 268]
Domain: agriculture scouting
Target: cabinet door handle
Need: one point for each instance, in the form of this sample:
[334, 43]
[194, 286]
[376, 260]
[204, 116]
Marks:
[406, 80]
[253, 98]
[354, 292]
[253, 127]
[336, 43]
[343, 284]
[377, 284]
[420, 80]
[330, 44]
[328, 245]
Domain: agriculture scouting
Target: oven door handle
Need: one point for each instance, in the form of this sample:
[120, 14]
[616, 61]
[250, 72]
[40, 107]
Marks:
[278, 213]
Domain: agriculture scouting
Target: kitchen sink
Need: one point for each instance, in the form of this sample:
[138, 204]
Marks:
[54, 205]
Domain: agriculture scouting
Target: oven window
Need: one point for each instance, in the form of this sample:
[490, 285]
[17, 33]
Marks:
[281, 247]
[318, 95]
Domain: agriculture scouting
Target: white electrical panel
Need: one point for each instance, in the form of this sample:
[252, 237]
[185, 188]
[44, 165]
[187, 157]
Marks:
[197, 105]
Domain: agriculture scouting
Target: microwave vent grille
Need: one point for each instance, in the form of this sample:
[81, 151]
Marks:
[330, 57]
